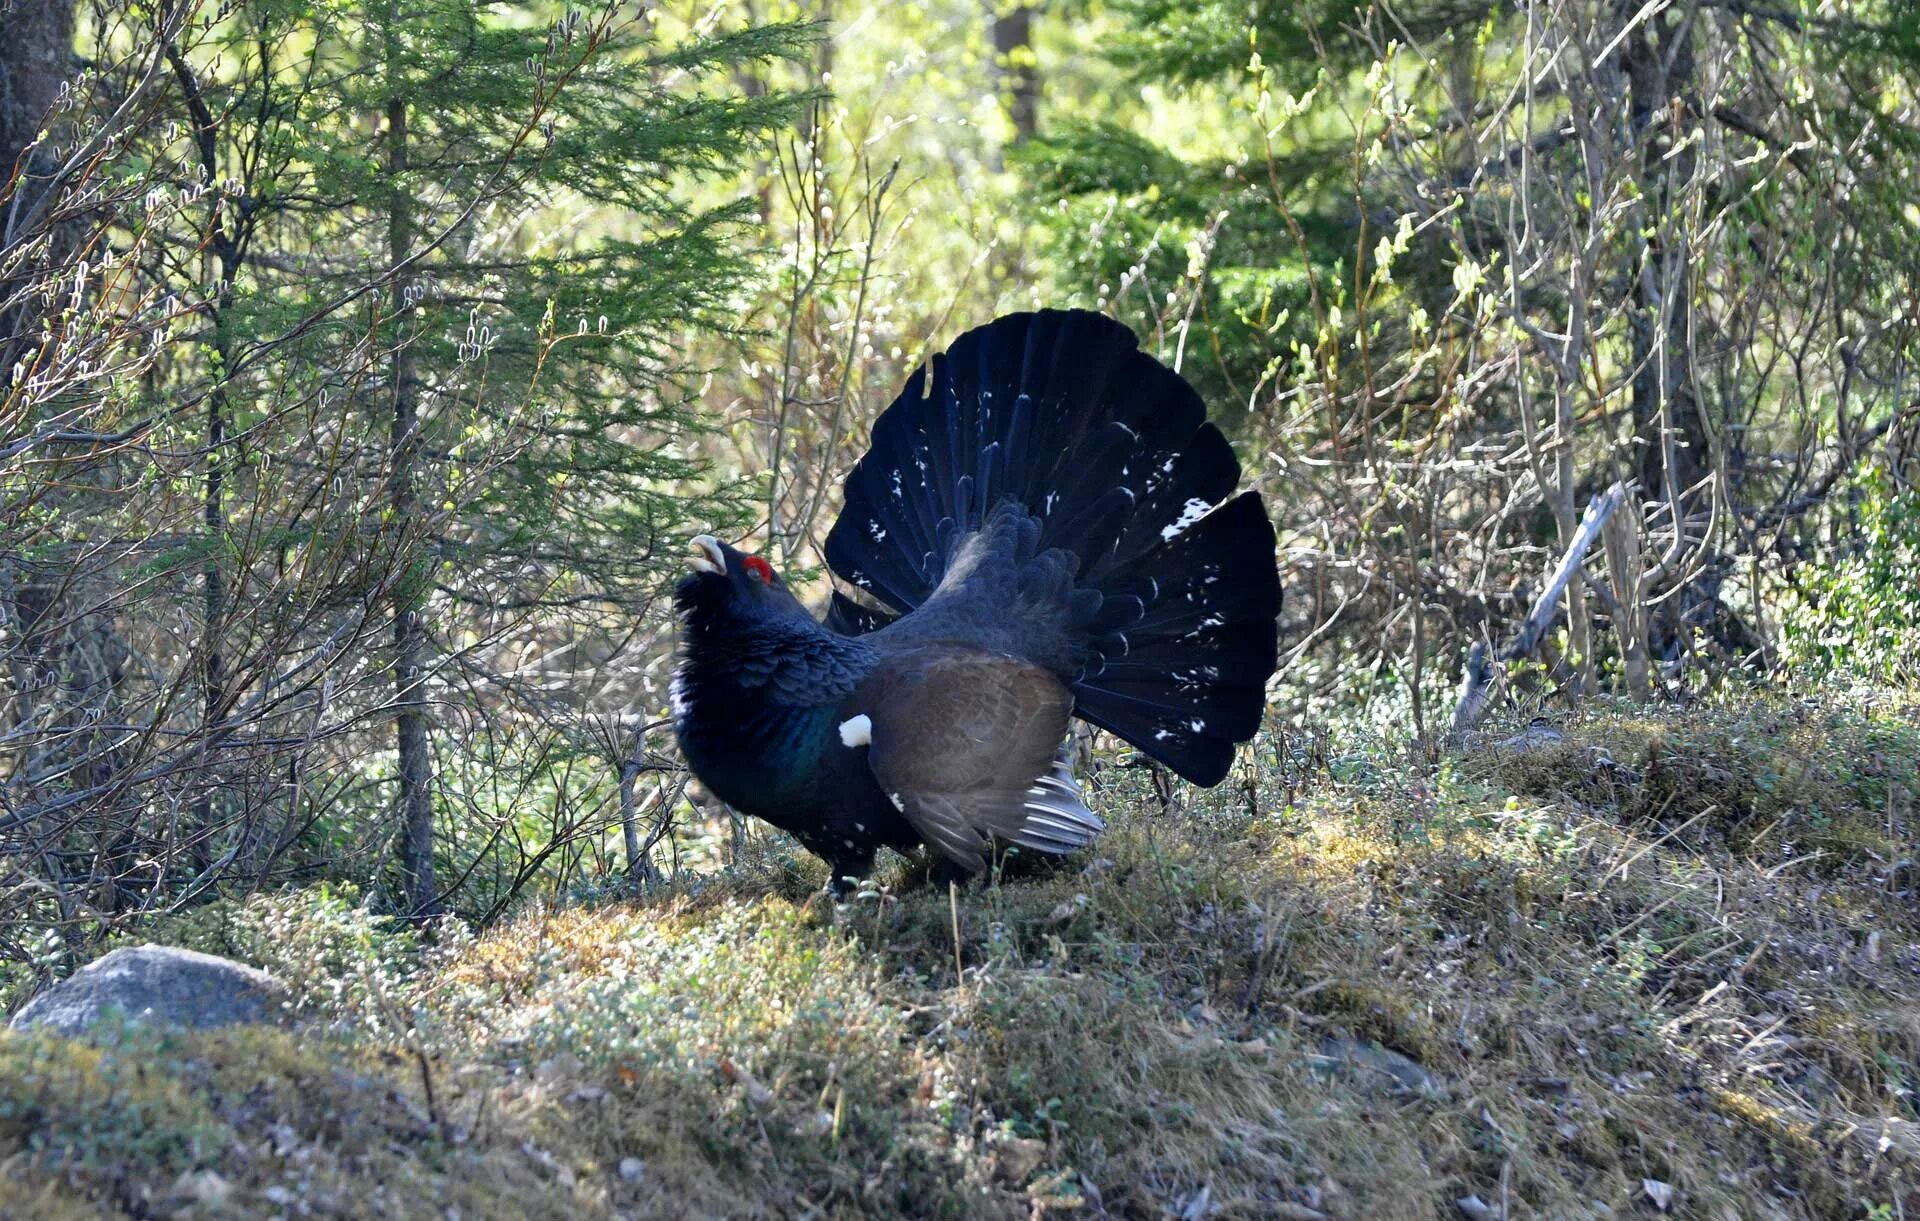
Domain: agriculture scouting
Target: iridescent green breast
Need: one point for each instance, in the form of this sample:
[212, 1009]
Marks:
[767, 761]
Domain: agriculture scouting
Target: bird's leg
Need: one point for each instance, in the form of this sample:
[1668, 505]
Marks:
[847, 872]
[945, 873]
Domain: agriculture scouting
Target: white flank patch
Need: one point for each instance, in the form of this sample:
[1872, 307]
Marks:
[897, 803]
[1195, 510]
[857, 731]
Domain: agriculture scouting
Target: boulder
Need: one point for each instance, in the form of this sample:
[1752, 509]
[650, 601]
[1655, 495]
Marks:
[156, 983]
[1370, 1063]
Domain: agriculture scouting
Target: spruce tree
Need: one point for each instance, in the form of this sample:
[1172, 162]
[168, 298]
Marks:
[526, 399]
[1126, 213]
[429, 269]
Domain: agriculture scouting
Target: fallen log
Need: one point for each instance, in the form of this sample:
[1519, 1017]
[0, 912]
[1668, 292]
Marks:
[1483, 672]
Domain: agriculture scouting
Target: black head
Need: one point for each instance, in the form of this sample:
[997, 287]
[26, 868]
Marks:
[731, 588]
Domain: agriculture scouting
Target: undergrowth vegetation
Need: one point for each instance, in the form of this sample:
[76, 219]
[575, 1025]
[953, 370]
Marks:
[1619, 964]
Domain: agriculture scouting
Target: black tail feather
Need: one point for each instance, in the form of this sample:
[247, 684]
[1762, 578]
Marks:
[1112, 452]
[850, 618]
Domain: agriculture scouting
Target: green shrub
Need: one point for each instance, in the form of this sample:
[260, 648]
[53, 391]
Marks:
[1855, 615]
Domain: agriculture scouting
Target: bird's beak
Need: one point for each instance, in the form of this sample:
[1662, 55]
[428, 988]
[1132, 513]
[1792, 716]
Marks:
[707, 556]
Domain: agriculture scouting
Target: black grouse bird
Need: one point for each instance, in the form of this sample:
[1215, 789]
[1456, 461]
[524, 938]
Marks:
[1043, 519]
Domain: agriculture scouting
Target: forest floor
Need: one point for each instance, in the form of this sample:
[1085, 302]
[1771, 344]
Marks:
[1663, 963]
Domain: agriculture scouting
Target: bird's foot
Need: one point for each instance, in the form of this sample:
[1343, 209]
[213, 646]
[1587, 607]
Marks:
[945, 873]
[846, 878]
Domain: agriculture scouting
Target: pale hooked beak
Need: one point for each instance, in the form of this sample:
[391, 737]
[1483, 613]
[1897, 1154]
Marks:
[707, 556]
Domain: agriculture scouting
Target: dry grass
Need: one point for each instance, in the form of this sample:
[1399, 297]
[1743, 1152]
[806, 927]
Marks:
[1669, 954]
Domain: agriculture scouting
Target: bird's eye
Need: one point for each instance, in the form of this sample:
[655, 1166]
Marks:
[758, 569]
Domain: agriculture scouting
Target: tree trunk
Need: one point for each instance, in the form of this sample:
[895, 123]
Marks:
[409, 625]
[1627, 569]
[1666, 409]
[35, 56]
[224, 255]
[33, 62]
[1013, 56]
[751, 80]
[213, 508]
[1669, 426]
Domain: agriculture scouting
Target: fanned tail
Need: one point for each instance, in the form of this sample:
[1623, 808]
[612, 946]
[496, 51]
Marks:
[1111, 451]
[1057, 817]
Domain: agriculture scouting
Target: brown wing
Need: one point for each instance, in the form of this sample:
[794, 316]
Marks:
[959, 737]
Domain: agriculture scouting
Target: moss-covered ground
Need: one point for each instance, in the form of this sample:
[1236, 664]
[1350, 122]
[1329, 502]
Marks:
[1664, 963]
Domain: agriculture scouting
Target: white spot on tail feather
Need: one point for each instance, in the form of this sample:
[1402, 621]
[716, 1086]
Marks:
[857, 731]
[1195, 510]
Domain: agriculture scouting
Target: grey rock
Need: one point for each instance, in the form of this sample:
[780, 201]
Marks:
[155, 983]
[1660, 1193]
[1370, 1062]
[1536, 736]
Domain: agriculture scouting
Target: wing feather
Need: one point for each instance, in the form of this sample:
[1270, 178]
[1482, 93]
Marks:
[966, 743]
